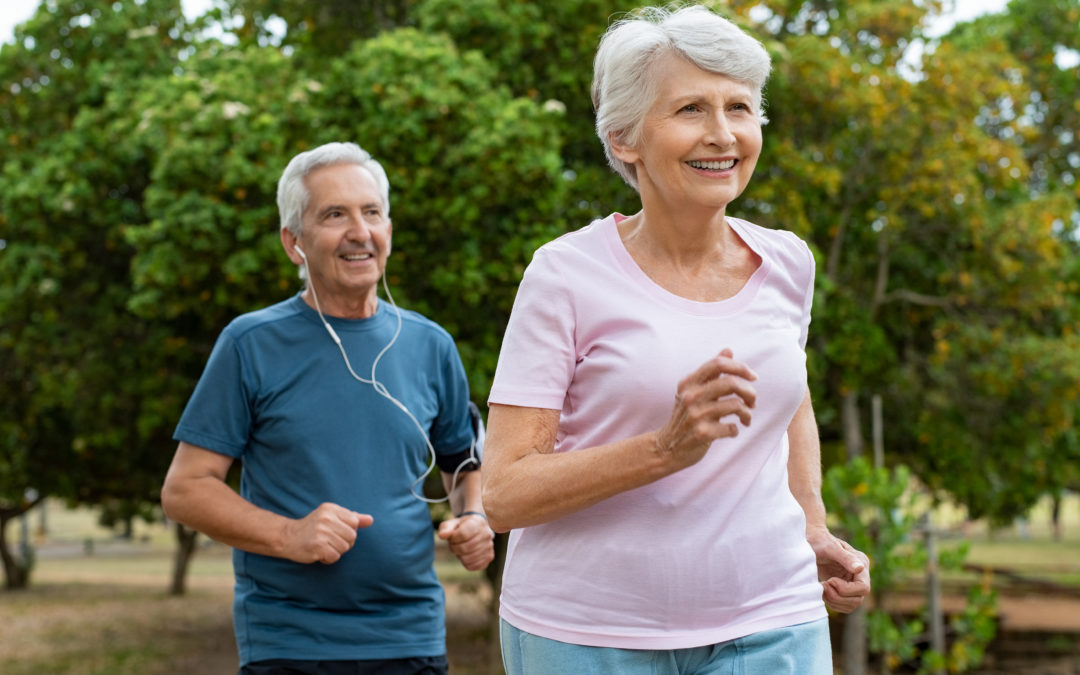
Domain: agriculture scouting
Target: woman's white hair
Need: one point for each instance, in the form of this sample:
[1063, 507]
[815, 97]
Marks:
[624, 87]
[293, 195]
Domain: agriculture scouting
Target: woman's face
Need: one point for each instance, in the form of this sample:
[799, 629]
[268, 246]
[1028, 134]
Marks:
[701, 138]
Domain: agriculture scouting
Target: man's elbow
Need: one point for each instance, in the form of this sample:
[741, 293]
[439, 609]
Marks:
[173, 499]
[169, 500]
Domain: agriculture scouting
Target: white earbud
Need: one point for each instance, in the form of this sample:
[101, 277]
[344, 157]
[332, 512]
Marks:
[301, 252]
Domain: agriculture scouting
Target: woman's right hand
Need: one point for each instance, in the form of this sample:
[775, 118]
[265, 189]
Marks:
[705, 402]
[526, 483]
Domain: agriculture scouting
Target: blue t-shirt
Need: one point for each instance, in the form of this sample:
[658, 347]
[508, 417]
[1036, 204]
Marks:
[277, 395]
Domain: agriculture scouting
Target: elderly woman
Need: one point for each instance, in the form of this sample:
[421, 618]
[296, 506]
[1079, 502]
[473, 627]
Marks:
[651, 441]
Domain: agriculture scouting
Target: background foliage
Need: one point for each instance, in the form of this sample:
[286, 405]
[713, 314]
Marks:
[140, 153]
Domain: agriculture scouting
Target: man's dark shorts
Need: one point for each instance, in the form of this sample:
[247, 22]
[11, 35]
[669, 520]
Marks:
[430, 665]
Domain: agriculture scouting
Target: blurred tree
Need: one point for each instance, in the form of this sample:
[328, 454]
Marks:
[875, 510]
[70, 353]
[544, 51]
[911, 182]
[1044, 37]
[316, 30]
[458, 150]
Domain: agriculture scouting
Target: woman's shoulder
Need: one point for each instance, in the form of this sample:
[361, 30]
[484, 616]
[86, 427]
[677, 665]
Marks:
[580, 239]
[783, 246]
[770, 235]
[569, 251]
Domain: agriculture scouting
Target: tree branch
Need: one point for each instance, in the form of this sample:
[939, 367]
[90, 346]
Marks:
[904, 295]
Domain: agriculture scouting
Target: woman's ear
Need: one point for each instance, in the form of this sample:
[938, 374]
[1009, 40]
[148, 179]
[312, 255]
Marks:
[621, 149]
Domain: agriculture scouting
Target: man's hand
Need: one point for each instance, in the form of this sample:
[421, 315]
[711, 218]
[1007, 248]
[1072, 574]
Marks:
[843, 571]
[470, 539]
[324, 535]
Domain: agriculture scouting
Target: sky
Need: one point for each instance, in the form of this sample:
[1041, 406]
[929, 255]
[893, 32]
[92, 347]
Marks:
[14, 12]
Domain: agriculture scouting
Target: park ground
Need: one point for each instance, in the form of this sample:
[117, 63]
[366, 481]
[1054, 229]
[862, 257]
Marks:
[98, 604]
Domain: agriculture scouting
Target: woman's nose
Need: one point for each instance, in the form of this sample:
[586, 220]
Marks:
[719, 131]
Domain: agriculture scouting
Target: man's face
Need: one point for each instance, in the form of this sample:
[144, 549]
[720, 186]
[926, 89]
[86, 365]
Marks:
[346, 238]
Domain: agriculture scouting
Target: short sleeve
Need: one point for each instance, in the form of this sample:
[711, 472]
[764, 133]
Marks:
[808, 300]
[452, 431]
[538, 356]
[218, 416]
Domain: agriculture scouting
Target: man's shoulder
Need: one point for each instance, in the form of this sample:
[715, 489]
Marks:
[422, 325]
[249, 321]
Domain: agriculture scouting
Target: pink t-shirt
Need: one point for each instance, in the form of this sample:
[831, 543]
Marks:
[711, 553]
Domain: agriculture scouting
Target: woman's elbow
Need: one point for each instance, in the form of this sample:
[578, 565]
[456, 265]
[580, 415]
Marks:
[495, 507]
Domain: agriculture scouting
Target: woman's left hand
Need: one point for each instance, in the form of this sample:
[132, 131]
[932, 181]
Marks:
[844, 572]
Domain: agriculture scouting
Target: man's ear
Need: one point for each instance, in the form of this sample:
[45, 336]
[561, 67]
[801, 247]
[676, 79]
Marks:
[289, 242]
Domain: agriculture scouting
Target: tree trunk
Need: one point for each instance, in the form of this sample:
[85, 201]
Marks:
[852, 424]
[855, 642]
[185, 551]
[16, 568]
[16, 571]
[854, 623]
[1055, 516]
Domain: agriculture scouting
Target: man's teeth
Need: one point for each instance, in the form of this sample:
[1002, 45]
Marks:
[713, 166]
[356, 256]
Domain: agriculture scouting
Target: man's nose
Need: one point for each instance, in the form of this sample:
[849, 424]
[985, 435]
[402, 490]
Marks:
[359, 230]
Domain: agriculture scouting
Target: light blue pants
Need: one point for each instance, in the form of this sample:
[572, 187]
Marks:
[796, 650]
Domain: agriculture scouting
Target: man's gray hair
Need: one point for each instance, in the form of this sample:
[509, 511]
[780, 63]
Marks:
[293, 195]
[624, 85]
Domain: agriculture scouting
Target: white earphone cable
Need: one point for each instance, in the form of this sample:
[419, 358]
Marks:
[380, 388]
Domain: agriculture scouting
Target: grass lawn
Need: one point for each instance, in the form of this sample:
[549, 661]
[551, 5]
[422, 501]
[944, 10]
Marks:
[109, 614]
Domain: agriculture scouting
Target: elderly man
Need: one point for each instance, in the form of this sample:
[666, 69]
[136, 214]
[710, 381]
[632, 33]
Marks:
[337, 404]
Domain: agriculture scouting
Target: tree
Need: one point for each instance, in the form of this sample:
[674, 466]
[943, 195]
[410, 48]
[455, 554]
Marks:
[903, 185]
[1045, 124]
[456, 149]
[63, 271]
[141, 191]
